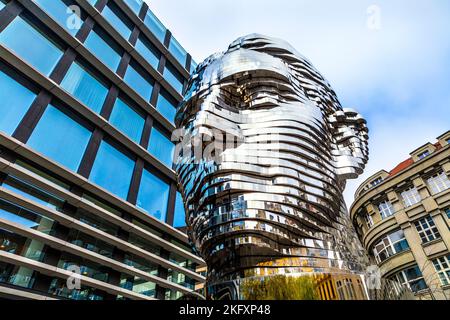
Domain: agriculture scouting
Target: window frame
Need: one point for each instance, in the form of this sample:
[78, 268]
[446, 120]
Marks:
[121, 16]
[423, 154]
[72, 115]
[124, 152]
[427, 229]
[368, 219]
[438, 183]
[386, 209]
[442, 267]
[144, 75]
[93, 73]
[387, 246]
[158, 175]
[411, 197]
[402, 278]
[45, 32]
[132, 106]
[162, 133]
[109, 41]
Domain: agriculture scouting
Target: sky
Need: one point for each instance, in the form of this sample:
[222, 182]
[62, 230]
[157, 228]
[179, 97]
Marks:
[388, 59]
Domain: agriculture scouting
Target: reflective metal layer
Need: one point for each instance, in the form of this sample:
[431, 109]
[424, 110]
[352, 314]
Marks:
[265, 150]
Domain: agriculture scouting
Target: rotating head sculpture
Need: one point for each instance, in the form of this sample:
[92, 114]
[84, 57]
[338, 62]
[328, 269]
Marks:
[265, 151]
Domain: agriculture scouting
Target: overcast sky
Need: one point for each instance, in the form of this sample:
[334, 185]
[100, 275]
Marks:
[391, 64]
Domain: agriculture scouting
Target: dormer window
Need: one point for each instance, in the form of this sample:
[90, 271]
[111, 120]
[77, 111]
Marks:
[377, 181]
[424, 154]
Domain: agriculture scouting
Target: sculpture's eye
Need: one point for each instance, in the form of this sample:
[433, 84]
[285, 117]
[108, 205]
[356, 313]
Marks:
[249, 91]
[234, 97]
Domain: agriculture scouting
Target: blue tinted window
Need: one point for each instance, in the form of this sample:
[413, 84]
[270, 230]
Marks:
[179, 219]
[193, 66]
[112, 170]
[127, 120]
[161, 147]
[155, 26]
[135, 5]
[2, 5]
[138, 83]
[20, 37]
[173, 77]
[153, 195]
[102, 50]
[117, 19]
[148, 51]
[178, 51]
[60, 138]
[85, 87]
[13, 217]
[61, 13]
[15, 100]
[92, 2]
[166, 105]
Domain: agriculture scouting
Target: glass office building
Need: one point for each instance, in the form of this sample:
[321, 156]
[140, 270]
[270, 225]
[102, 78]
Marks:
[88, 92]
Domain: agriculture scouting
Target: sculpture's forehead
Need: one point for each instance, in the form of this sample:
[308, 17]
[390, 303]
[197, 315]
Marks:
[232, 63]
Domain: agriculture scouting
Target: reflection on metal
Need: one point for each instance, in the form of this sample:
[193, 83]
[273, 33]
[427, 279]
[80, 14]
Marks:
[312, 286]
[264, 195]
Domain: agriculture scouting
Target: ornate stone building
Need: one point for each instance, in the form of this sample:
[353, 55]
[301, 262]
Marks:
[403, 219]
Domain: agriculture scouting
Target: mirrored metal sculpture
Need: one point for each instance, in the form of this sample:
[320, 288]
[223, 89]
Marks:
[265, 151]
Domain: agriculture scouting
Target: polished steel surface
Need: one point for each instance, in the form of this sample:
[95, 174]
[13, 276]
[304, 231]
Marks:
[265, 151]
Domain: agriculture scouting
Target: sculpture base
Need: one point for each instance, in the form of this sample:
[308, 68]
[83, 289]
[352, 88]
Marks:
[339, 286]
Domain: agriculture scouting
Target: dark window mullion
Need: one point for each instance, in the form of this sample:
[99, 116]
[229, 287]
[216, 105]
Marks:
[155, 94]
[135, 181]
[110, 100]
[63, 65]
[162, 272]
[188, 63]
[90, 154]
[143, 11]
[134, 36]
[171, 204]
[85, 29]
[167, 38]
[145, 138]
[100, 5]
[32, 117]
[162, 64]
[3, 176]
[123, 65]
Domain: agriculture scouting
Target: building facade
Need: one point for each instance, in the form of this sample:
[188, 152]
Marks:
[88, 196]
[403, 219]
